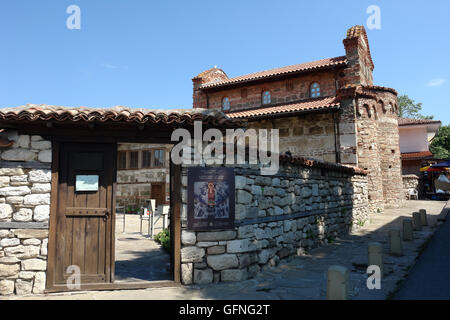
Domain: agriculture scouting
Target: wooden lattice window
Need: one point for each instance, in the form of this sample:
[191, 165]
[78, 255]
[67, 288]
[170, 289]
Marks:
[122, 160]
[134, 160]
[158, 158]
[146, 158]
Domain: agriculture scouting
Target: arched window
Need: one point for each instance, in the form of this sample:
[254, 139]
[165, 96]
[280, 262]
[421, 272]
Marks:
[266, 98]
[314, 90]
[226, 103]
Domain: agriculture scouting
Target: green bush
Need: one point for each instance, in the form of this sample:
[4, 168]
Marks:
[163, 238]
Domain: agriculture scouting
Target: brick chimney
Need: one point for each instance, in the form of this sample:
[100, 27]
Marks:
[360, 64]
[200, 98]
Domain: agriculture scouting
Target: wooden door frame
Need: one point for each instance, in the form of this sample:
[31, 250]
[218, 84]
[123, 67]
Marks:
[163, 190]
[175, 221]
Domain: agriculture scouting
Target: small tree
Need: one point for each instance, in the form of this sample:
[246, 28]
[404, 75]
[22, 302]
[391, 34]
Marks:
[407, 108]
[440, 146]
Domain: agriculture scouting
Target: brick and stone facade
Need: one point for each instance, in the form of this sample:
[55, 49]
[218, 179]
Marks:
[134, 186]
[361, 131]
[377, 139]
[25, 184]
[312, 135]
[275, 217]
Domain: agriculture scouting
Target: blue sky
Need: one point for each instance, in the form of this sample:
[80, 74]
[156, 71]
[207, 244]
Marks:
[145, 53]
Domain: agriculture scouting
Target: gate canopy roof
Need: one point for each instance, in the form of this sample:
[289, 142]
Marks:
[32, 112]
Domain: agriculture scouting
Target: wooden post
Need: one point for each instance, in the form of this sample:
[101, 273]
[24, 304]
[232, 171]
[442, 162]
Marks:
[423, 217]
[395, 243]
[416, 221]
[408, 230]
[376, 255]
[337, 286]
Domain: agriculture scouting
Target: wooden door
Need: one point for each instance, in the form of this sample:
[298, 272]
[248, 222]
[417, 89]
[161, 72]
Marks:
[85, 212]
[158, 193]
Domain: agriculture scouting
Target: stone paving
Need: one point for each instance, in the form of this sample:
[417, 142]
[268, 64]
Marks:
[428, 278]
[138, 257]
[304, 277]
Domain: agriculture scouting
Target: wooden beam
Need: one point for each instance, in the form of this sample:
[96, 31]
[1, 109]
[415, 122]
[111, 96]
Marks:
[51, 251]
[23, 225]
[25, 164]
[175, 220]
[115, 286]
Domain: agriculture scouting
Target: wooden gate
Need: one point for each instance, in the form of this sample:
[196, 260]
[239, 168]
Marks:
[82, 215]
[85, 213]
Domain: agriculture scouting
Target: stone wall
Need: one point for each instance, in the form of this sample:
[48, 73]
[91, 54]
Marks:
[25, 180]
[410, 181]
[275, 217]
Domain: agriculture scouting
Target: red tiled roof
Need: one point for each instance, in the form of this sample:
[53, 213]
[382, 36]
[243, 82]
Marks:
[411, 122]
[316, 104]
[416, 155]
[324, 63]
[32, 112]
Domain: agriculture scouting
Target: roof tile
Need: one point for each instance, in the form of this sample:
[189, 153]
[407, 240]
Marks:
[279, 71]
[315, 104]
[416, 155]
[410, 122]
[31, 112]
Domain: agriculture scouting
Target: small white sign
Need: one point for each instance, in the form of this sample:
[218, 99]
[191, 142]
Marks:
[86, 183]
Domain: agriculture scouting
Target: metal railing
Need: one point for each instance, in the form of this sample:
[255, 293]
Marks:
[153, 216]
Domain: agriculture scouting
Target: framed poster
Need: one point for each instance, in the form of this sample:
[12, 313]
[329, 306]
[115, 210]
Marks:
[86, 183]
[210, 198]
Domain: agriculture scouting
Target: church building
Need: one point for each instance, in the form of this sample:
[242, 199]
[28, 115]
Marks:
[328, 110]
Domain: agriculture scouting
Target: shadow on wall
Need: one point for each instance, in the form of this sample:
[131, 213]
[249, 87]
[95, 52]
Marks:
[305, 276]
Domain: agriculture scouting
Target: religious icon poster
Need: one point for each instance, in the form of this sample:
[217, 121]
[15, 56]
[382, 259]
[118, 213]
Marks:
[210, 198]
